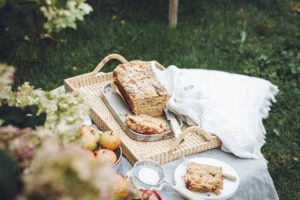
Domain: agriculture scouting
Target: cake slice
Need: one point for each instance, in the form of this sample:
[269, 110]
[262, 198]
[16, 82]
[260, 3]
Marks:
[203, 178]
[140, 89]
[146, 124]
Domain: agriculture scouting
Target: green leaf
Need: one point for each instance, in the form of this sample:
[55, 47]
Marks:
[2, 3]
[243, 37]
[41, 119]
[12, 114]
[9, 177]
[33, 121]
[263, 57]
[276, 131]
[32, 109]
[22, 118]
[29, 122]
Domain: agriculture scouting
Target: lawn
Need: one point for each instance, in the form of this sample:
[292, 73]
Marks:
[259, 38]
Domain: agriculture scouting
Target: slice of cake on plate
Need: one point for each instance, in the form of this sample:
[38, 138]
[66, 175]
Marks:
[203, 178]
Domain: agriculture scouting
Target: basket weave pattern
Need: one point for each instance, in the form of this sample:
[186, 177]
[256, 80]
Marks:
[92, 84]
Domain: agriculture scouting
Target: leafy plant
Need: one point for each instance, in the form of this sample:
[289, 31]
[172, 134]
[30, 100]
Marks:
[58, 14]
[62, 113]
[22, 117]
[2, 3]
[9, 177]
[63, 14]
[6, 81]
[67, 173]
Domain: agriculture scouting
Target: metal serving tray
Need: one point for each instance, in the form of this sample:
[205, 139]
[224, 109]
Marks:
[119, 109]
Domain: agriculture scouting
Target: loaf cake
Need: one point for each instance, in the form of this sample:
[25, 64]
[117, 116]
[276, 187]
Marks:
[140, 89]
[146, 124]
[203, 178]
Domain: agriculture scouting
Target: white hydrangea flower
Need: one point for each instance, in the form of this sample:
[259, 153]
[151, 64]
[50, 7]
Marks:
[86, 8]
[65, 111]
[50, 175]
[59, 17]
[6, 80]
[48, 2]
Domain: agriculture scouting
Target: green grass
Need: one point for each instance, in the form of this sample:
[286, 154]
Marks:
[259, 38]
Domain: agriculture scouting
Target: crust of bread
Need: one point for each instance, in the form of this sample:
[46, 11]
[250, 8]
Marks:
[140, 88]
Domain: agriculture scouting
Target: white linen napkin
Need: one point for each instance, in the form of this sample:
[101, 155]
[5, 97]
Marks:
[230, 106]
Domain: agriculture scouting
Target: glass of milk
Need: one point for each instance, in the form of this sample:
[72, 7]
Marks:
[148, 174]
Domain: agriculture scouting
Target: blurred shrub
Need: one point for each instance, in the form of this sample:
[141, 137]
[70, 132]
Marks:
[61, 14]
[9, 177]
[54, 15]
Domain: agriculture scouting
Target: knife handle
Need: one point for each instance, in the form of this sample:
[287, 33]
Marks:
[229, 176]
[185, 193]
[175, 127]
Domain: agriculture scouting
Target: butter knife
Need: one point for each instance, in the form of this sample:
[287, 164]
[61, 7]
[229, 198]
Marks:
[173, 121]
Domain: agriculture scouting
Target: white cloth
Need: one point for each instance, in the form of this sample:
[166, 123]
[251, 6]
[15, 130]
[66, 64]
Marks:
[229, 105]
[255, 180]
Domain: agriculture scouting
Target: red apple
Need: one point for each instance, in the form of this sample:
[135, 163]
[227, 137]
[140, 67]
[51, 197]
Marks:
[90, 154]
[110, 140]
[148, 195]
[121, 190]
[85, 129]
[106, 156]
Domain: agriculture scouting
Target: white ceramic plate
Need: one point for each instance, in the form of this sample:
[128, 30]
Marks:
[229, 187]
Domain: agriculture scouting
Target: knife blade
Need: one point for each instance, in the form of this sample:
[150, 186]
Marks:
[173, 121]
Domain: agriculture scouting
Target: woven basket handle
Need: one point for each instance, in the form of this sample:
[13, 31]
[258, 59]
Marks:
[107, 59]
[192, 129]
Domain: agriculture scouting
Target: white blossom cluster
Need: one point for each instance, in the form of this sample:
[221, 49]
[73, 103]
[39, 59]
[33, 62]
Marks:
[52, 163]
[22, 143]
[60, 17]
[65, 111]
[67, 173]
[6, 80]
[51, 170]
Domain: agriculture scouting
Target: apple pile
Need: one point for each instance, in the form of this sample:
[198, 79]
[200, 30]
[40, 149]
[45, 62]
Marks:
[121, 191]
[101, 145]
[147, 195]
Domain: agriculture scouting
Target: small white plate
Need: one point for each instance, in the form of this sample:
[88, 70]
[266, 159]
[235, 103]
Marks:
[229, 187]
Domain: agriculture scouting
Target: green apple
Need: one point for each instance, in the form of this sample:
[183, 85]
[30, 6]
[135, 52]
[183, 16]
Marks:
[106, 156]
[110, 140]
[89, 140]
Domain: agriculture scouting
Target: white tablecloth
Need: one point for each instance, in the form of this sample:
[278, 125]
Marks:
[255, 180]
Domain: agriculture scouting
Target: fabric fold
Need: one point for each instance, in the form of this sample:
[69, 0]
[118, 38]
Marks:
[229, 105]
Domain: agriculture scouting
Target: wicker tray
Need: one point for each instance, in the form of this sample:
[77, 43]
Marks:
[92, 84]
